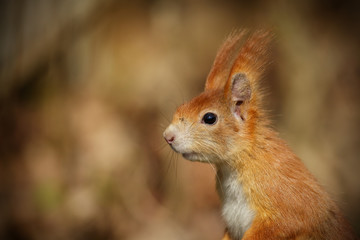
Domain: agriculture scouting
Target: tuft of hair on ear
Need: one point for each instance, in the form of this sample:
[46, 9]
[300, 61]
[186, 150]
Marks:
[248, 67]
[224, 60]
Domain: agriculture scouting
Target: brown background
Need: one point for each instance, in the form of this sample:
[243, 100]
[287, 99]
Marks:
[87, 87]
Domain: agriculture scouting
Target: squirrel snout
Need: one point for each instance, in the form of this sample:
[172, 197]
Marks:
[169, 136]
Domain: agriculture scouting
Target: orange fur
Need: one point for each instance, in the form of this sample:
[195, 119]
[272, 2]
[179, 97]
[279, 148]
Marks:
[287, 201]
[223, 61]
[226, 237]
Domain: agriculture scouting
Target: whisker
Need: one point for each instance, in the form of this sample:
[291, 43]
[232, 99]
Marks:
[161, 126]
[217, 177]
[179, 89]
[161, 147]
[213, 149]
[169, 162]
[176, 168]
[164, 116]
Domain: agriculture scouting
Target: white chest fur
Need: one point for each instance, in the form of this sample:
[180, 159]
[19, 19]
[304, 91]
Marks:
[236, 211]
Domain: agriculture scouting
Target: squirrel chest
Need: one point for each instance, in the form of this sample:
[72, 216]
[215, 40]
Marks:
[236, 210]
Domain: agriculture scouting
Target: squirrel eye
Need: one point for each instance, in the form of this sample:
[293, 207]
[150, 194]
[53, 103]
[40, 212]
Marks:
[209, 118]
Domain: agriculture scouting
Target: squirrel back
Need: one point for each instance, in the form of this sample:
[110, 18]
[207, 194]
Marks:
[266, 191]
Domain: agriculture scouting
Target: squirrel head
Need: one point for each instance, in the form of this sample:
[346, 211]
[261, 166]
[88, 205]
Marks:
[223, 120]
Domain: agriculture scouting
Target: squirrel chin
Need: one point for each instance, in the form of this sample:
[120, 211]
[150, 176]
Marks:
[192, 156]
[197, 157]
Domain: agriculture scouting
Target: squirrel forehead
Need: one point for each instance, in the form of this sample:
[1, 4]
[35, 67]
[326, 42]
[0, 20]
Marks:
[212, 100]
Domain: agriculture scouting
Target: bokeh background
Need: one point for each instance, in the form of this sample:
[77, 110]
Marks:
[87, 88]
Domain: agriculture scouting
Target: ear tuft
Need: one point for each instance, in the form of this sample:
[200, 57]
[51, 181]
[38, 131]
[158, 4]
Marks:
[240, 89]
[224, 60]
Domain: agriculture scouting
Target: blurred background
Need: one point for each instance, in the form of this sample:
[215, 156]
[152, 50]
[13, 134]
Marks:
[87, 88]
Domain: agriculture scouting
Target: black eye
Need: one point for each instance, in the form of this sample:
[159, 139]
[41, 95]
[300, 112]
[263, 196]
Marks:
[209, 118]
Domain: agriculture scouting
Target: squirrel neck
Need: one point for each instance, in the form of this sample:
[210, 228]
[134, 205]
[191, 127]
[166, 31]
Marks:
[234, 190]
[240, 184]
[263, 148]
[261, 169]
[236, 209]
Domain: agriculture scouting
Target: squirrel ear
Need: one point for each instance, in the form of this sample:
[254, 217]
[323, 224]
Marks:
[224, 60]
[240, 93]
[240, 89]
[246, 71]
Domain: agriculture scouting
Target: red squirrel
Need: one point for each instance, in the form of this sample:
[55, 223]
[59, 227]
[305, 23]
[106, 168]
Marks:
[265, 190]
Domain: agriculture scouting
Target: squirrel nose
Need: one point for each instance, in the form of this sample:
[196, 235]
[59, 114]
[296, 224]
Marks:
[169, 137]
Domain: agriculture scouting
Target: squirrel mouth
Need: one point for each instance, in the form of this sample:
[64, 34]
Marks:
[190, 155]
